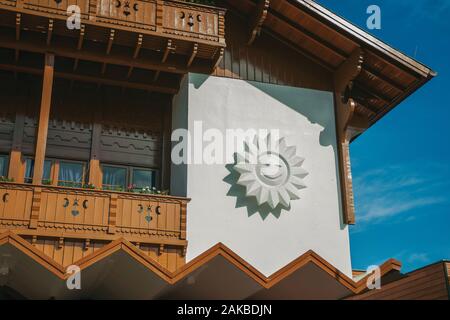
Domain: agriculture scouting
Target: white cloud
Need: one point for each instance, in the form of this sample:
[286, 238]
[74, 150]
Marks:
[391, 191]
[418, 258]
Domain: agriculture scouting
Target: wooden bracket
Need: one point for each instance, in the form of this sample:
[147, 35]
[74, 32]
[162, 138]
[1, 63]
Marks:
[60, 243]
[346, 117]
[49, 31]
[193, 54]
[218, 58]
[169, 48]
[108, 48]
[87, 244]
[136, 53]
[34, 240]
[18, 23]
[161, 249]
[258, 19]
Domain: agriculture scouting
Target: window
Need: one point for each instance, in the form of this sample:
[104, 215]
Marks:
[29, 170]
[114, 178]
[71, 174]
[3, 165]
[121, 178]
[65, 173]
[142, 178]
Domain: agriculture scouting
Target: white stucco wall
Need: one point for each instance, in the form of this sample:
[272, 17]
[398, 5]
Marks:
[219, 212]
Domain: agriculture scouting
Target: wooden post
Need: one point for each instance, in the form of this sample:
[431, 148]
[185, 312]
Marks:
[41, 141]
[16, 164]
[95, 172]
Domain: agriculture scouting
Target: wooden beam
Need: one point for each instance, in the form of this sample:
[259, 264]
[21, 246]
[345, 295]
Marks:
[169, 48]
[44, 114]
[110, 41]
[120, 59]
[16, 169]
[308, 34]
[93, 79]
[219, 57]
[49, 31]
[95, 172]
[193, 54]
[79, 45]
[136, 53]
[138, 46]
[18, 22]
[81, 37]
[108, 48]
[258, 19]
[344, 113]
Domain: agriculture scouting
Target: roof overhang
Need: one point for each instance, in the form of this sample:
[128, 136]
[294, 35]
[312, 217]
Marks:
[121, 271]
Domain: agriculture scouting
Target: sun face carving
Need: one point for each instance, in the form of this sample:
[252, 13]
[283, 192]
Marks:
[272, 172]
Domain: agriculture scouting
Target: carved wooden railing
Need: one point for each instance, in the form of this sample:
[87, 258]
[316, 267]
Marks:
[92, 214]
[177, 19]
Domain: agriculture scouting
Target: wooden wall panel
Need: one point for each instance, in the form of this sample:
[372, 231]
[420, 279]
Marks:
[74, 211]
[15, 206]
[138, 217]
[429, 283]
[69, 252]
[268, 60]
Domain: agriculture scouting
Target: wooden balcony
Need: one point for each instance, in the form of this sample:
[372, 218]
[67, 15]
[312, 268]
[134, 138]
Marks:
[93, 216]
[170, 19]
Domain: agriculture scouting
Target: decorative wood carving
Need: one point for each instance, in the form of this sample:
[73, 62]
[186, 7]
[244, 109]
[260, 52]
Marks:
[133, 147]
[137, 13]
[190, 20]
[258, 19]
[57, 7]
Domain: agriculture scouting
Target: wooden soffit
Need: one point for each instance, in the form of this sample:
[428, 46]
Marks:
[387, 76]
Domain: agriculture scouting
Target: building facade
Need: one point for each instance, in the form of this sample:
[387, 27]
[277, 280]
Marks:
[93, 94]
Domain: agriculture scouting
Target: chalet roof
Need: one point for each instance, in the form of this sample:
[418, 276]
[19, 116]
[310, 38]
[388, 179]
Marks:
[387, 77]
[120, 270]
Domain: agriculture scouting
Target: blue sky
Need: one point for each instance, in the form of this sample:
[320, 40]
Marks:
[401, 165]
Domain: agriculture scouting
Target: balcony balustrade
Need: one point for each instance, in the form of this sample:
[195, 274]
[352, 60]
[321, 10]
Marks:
[70, 213]
[170, 19]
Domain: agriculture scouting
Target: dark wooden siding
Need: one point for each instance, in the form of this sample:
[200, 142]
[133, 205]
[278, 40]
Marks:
[429, 283]
[267, 60]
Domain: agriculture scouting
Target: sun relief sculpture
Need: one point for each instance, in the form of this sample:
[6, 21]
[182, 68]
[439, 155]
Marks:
[271, 171]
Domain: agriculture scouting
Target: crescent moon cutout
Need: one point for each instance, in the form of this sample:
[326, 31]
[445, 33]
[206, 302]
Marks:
[158, 210]
[183, 15]
[135, 7]
[118, 3]
[66, 203]
[5, 197]
[85, 204]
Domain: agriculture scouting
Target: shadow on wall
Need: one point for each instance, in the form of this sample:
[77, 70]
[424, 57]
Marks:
[239, 192]
[313, 104]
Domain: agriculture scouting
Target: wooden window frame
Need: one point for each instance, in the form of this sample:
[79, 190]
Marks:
[129, 173]
[5, 173]
[54, 170]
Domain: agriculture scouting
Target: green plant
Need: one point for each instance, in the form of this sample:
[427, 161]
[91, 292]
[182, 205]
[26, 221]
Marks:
[148, 190]
[6, 179]
[46, 182]
[88, 186]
